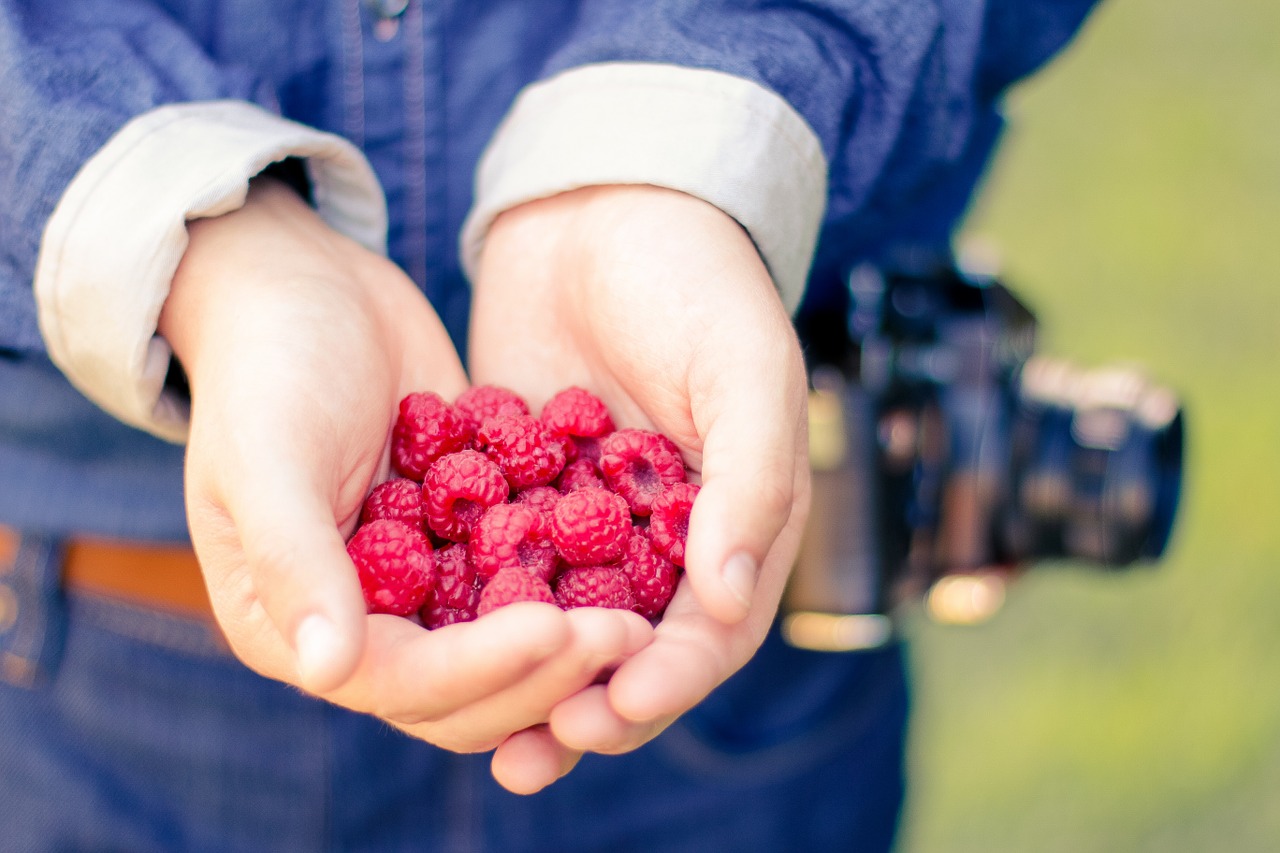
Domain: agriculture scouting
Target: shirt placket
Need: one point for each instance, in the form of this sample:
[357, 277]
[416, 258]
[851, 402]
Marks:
[391, 89]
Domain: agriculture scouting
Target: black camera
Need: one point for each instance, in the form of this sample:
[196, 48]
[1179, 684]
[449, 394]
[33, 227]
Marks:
[946, 453]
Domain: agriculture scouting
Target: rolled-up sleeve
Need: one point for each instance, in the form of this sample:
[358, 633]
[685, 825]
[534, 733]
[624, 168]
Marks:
[716, 136]
[744, 105]
[791, 117]
[117, 235]
[116, 129]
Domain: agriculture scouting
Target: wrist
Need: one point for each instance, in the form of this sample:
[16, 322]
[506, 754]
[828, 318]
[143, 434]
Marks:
[716, 136]
[119, 231]
[600, 233]
[235, 263]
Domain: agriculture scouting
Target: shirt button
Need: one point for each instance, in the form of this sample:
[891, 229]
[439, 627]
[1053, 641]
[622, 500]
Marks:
[387, 8]
[387, 14]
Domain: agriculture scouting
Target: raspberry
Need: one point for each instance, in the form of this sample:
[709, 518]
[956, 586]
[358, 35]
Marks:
[590, 526]
[541, 498]
[610, 533]
[458, 489]
[578, 473]
[395, 566]
[511, 585]
[578, 418]
[652, 576]
[669, 445]
[512, 535]
[669, 521]
[482, 402]
[576, 411]
[638, 464]
[434, 617]
[524, 448]
[426, 429]
[594, 586]
[400, 498]
[456, 594]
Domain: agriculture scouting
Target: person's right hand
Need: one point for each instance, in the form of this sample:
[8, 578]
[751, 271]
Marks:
[660, 304]
[298, 345]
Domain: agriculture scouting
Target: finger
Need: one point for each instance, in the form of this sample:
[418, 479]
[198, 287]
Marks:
[692, 652]
[587, 722]
[748, 494]
[410, 676]
[301, 577]
[687, 659]
[530, 760]
[602, 639]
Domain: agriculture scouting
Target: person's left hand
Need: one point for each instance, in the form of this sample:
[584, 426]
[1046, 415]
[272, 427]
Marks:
[659, 304]
[298, 344]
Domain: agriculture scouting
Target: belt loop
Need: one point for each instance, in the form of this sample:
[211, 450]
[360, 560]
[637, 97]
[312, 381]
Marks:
[32, 611]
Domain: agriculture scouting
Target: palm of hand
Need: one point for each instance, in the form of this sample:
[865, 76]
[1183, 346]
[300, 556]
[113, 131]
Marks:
[659, 304]
[299, 344]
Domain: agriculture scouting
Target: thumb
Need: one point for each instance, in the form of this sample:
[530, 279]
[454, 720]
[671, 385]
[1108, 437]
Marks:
[303, 580]
[748, 495]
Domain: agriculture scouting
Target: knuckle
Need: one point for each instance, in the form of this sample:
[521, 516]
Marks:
[775, 498]
[268, 554]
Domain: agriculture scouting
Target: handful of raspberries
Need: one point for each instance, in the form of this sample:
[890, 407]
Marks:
[493, 505]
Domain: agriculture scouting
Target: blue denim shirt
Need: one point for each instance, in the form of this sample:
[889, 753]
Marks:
[901, 93]
[803, 751]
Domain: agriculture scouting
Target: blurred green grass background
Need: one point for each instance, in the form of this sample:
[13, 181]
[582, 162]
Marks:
[1136, 205]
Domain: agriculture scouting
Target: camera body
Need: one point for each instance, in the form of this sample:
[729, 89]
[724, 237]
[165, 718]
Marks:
[946, 453]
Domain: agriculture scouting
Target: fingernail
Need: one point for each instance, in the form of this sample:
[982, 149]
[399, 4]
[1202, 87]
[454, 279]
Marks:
[739, 576]
[316, 644]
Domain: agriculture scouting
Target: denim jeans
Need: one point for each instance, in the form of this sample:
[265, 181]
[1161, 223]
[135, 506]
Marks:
[124, 729]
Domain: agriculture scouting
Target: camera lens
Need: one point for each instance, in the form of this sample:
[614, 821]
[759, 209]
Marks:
[1096, 465]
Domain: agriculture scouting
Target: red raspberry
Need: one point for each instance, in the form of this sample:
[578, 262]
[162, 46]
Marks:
[458, 489]
[579, 419]
[426, 429]
[511, 585]
[594, 586]
[578, 473]
[395, 566]
[670, 446]
[638, 464]
[541, 498]
[482, 402]
[457, 582]
[524, 448]
[434, 617]
[456, 594]
[512, 535]
[669, 521]
[590, 526]
[400, 498]
[652, 576]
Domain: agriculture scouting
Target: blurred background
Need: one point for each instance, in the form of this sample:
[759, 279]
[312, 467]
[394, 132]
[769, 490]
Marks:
[1136, 206]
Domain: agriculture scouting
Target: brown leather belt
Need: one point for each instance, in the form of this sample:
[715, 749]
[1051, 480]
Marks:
[160, 577]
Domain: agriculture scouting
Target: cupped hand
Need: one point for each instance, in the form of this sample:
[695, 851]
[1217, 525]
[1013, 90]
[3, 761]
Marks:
[298, 345]
[660, 304]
